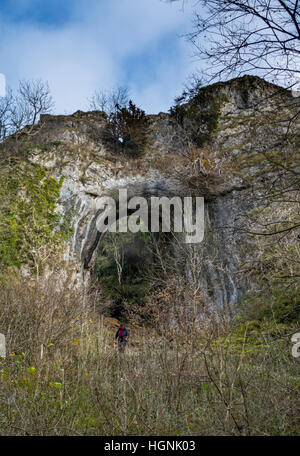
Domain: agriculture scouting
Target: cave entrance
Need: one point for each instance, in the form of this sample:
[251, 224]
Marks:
[128, 267]
[123, 270]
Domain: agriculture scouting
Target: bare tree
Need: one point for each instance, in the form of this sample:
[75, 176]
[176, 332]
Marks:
[236, 37]
[108, 100]
[5, 111]
[32, 99]
[260, 37]
[23, 108]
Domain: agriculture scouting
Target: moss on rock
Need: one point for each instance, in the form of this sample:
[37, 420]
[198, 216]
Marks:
[29, 218]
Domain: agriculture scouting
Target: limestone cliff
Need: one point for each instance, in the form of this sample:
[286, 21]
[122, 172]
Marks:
[213, 146]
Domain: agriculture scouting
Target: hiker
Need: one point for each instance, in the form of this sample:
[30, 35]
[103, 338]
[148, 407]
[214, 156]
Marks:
[122, 335]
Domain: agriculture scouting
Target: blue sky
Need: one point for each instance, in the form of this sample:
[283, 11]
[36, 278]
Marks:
[82, 45]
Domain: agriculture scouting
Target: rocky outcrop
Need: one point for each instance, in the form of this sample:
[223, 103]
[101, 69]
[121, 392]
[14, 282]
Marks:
[226, 168]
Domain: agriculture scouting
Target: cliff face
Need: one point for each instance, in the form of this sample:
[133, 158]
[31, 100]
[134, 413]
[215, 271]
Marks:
[213, 146]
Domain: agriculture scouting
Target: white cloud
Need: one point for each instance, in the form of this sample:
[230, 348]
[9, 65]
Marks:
[91, 49]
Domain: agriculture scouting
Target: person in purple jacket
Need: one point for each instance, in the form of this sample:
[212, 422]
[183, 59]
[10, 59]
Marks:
[122, 336]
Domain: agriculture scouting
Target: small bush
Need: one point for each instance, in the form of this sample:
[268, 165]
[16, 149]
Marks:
[197, 113]
[126, 130]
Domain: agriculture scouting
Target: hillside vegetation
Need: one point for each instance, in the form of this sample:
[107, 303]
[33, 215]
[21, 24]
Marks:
[63, 375]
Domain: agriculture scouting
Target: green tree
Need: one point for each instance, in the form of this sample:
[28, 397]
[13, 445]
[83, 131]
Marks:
[126, 130]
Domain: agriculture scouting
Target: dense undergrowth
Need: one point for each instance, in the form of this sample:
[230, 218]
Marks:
[63, 376]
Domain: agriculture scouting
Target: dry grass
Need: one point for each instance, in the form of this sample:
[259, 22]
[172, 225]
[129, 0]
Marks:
[63, 376]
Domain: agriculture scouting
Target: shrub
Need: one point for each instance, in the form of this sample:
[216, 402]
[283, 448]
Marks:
[126, 130]
[197, 113]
